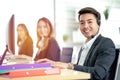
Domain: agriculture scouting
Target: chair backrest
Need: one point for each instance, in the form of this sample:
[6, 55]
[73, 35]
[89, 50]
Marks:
[66, 54]
[115, 65]
[117, 74]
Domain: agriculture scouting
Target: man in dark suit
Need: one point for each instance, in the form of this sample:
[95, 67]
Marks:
[97, 53]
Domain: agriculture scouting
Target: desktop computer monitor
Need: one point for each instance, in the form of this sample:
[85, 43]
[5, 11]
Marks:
[10, 37]
[10, 42]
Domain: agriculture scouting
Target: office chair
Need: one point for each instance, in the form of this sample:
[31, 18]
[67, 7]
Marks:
[66, 54]
[115, 65]
[117, 74]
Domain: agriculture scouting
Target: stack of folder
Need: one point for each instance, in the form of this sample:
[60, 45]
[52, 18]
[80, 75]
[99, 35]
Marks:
[27, 70]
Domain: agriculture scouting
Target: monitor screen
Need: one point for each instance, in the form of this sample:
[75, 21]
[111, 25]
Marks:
[10, 41]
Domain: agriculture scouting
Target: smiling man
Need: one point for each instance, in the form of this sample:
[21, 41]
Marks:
[98, 52]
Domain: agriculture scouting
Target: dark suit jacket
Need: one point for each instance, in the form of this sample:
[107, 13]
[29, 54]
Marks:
[52, 52]
[98, 62]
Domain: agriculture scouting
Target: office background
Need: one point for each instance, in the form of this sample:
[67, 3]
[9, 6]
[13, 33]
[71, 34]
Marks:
[63, 15]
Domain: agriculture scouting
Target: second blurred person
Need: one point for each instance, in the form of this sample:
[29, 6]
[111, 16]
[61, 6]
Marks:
[24, 41]
[46, 43]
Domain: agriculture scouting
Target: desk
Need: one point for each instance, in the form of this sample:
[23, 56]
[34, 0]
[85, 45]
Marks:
[65, 74]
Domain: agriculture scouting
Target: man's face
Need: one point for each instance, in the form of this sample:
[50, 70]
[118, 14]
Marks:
[88, 25]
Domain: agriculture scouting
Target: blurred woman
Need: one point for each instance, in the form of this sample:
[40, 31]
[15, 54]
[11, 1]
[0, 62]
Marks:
[24, 41]
[46, 43]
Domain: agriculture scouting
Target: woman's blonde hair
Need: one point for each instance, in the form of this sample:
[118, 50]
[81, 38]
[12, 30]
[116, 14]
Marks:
[50, 35]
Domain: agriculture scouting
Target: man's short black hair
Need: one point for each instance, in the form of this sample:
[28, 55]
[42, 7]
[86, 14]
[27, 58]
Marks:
[92, 11]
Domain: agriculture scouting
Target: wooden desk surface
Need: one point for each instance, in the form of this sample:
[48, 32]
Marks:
[65, 74]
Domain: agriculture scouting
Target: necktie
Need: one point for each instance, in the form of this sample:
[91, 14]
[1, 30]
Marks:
[79, 54]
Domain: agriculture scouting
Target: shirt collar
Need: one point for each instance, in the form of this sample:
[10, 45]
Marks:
[89, 43]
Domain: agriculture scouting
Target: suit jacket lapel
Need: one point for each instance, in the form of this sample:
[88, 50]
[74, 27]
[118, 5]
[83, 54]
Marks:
[91, 50]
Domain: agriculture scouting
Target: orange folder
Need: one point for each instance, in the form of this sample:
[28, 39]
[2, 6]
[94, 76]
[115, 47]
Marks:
[36, 72]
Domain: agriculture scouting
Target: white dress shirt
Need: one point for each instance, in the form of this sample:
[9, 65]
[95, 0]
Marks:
[86, 47]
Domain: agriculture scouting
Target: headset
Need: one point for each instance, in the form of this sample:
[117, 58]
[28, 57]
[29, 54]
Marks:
[98, 17]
